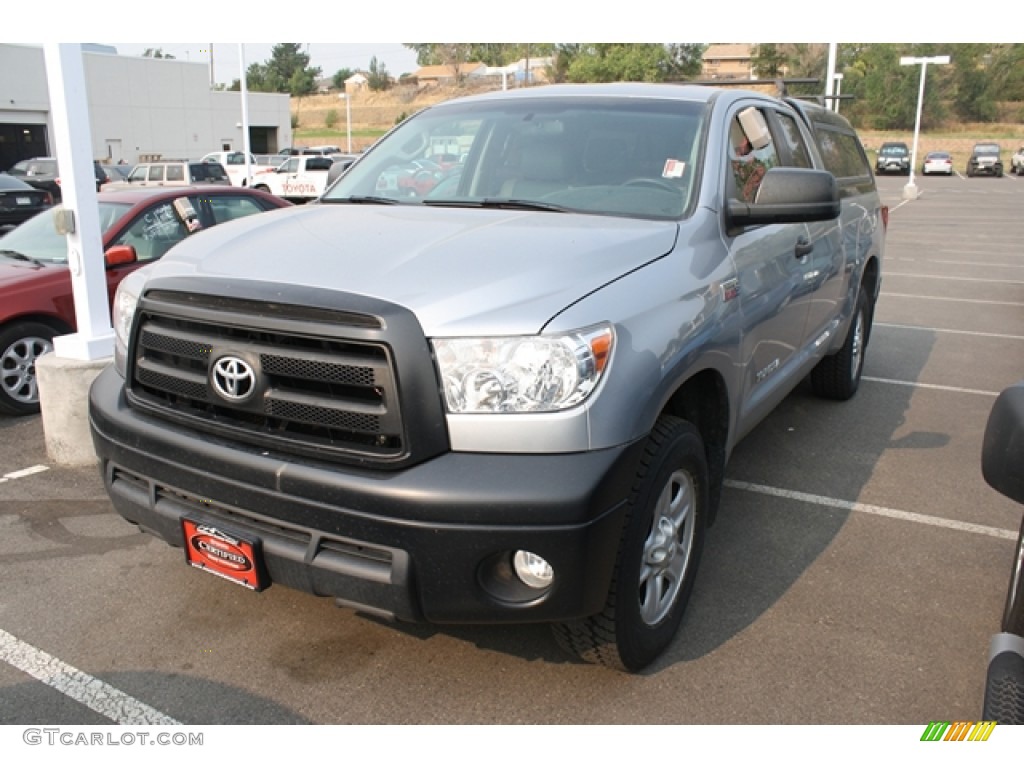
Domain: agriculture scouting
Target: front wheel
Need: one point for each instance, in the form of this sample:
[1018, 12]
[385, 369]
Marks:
[656, 565]
[21, 345]
[837, 376]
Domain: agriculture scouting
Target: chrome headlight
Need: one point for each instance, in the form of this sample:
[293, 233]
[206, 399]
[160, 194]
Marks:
[522, 374]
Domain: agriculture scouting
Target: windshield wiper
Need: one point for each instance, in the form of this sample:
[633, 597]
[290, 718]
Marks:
[500, 202]
[361, 200]
[20, 256]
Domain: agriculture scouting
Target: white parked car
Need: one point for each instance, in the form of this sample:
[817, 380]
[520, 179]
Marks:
[299, 179]
[234, 164]
[937, 162]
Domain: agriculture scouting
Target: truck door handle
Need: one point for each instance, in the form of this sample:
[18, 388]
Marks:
[803, 247]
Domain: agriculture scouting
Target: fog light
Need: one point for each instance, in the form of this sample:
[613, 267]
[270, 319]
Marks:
[533, 570]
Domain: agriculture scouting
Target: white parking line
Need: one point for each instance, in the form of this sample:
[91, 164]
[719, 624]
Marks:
[948, 298]
[871, 509]
[890, 273]
[104, 699]
[949, 330]
[23, 473]
[942, 387]
[902, 259]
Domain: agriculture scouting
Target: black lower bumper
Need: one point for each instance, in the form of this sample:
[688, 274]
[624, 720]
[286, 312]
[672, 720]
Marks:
[430, 542]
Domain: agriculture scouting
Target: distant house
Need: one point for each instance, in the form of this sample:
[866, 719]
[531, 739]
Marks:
[356, 82]
[324, 85]
[728, 61]
[444, 74]
[533, 70]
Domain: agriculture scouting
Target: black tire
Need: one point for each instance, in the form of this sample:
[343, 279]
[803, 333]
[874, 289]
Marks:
[1013, 614]
[837, 376]
[21, 344]
[659, 553]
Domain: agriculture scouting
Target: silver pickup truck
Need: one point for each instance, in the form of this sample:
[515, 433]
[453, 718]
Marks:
[505, 391]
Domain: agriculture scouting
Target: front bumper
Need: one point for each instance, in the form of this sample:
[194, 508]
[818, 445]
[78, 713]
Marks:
[430, 542]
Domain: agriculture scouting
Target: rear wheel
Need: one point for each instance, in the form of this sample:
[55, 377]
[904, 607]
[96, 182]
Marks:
[656, 566]
[21, 345]
[837, 376]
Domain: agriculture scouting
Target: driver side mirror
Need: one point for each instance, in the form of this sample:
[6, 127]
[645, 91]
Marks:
[119, 255]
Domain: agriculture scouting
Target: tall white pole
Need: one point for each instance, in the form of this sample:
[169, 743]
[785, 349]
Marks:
[917, 126]
[69, 105]
[910, 191]
[348, 122]
[243, 87]
[830, 75]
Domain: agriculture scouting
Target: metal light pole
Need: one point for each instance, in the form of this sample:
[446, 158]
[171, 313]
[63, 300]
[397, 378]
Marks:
[838, 77]
[348, 120]
[910, 191]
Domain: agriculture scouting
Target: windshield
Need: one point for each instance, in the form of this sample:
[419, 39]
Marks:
[894, 150]
[626, 157]
[986, 149]
[37, 238]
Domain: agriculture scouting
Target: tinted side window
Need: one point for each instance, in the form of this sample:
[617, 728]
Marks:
[175, 173]
[795, 141]
[156, 173]
[224, 208]
[842, 153]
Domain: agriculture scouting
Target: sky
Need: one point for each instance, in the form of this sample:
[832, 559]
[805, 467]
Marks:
[330, 57]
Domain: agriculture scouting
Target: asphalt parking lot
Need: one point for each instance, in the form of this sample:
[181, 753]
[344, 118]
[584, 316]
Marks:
[854, 576]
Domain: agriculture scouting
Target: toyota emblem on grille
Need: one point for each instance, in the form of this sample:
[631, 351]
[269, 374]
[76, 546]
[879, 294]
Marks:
[233, 378]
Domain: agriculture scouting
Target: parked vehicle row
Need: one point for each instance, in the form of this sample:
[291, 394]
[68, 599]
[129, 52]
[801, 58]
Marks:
[43, 173]
[139, 225]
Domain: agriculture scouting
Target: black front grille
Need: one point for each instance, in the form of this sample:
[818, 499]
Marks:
[321, 387]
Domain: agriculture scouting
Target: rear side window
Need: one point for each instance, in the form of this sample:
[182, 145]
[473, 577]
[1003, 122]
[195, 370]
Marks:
[226, 208]
[175, 173]
[841, 153]
[208, 172]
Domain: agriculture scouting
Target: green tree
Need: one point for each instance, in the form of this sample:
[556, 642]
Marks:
[886, 92]
[378, 78]
[769, 61]
[686, 60]
[287, 71]
[339, 78]
[610, 62]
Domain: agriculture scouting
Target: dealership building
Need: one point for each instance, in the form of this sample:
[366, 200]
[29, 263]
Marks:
[140, 108]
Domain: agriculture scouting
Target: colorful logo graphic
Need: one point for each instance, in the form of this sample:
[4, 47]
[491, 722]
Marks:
[961, 730]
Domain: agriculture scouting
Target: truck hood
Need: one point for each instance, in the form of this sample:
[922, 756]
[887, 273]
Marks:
[459, 270]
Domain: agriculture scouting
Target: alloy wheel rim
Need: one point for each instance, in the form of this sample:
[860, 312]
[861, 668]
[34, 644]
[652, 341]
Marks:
[668, 548]
[18, 368]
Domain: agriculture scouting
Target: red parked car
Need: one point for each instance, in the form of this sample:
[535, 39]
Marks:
[139, 225]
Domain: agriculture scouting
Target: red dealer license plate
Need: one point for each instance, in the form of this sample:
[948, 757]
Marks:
[224, 554]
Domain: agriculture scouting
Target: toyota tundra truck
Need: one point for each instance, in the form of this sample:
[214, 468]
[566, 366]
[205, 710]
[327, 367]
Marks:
[512, 396]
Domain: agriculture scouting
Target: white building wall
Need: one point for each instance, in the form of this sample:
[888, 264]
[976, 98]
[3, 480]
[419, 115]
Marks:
[142, 106]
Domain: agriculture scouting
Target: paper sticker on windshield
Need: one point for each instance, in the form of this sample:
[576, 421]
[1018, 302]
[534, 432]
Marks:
[673, 169]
